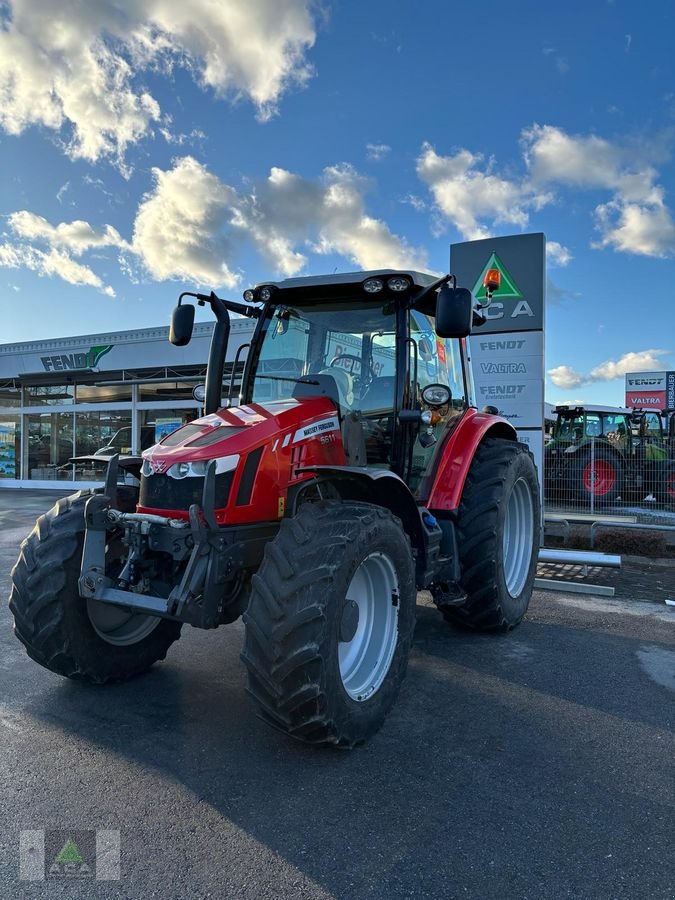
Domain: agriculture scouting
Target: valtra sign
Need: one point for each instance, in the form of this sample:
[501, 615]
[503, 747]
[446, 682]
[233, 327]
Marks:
[650, 390]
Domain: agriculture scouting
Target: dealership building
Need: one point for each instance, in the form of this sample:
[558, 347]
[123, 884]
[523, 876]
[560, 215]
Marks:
[650, 390]
[83, 395]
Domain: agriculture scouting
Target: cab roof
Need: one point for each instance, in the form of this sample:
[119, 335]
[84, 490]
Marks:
[419, 279]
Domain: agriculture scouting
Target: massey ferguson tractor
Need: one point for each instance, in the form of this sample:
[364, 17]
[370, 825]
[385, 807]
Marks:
[353, 473]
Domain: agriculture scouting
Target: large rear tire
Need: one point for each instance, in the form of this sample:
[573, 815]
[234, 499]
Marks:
[498, 538]
[83, 640]
[600, 478]
[330, 622]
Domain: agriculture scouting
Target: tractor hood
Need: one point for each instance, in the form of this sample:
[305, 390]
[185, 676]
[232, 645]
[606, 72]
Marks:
[257, 449]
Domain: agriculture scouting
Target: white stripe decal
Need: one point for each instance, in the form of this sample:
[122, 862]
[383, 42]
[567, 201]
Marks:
[287, 441]
[275, 445]
[322, 427]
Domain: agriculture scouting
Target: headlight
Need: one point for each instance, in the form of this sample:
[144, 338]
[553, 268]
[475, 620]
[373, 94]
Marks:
[265, 294]
[249, 296]
[187, 470]
[372, 285]
[398, 283]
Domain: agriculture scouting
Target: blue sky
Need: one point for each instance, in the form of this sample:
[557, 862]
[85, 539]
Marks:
[147, 147]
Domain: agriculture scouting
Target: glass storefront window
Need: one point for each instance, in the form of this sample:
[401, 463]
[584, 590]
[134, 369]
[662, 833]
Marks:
[10, 446]
[166, 390]
[103, 393]
[49, 446]
[49, 394]
[157, 423]
[100, 434]
[10, 396]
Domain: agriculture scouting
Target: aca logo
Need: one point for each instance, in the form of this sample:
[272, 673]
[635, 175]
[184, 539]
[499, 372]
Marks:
[494, 285]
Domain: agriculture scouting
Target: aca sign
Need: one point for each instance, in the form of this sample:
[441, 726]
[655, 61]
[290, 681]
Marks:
[507, 352]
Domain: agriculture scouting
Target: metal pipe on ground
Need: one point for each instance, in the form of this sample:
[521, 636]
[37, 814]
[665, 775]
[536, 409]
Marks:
[579, 558]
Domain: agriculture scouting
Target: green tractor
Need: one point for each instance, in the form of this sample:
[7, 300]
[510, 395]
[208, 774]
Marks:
[603, 453]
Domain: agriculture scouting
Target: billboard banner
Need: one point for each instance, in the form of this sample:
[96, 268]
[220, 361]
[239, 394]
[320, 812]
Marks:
[670, 390]
[650, 390]
[646, 381]
[507, 352]
[646, 399]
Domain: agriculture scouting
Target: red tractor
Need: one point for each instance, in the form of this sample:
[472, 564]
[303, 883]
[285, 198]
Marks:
[353, 473]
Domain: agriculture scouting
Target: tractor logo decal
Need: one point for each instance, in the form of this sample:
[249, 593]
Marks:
[506, 288]
[318, 428]
[158, 466]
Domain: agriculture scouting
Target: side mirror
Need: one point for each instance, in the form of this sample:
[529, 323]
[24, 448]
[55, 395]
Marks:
[182, 322]
[454, 312]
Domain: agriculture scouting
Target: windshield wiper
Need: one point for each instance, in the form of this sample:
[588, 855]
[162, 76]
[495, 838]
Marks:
[301, 379]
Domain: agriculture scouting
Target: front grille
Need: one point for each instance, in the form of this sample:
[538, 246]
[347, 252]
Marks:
[164, 492]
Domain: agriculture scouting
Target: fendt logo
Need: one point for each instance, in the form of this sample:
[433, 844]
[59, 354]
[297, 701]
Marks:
[63, 362]
[506, 289]
[501, 390]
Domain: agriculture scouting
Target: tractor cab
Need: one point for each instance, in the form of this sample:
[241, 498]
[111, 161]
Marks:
[372, 346]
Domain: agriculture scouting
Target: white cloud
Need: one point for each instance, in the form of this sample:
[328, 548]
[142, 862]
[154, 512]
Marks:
[377, 152]
[633, 361]
[469, 192]
[180, 229]
[636, 219]
[192, 225]
[76, 237]
[565, 377]
[466, 190]
[634, 228]
[557, 254]
[51, 263]
[76, 68]
[641, 361]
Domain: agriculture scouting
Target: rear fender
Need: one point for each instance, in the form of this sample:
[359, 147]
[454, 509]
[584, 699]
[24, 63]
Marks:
[455, 458]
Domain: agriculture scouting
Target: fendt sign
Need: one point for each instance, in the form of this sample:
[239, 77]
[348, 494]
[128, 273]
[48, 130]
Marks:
[63, 362]
[507, 352]
[650, 390]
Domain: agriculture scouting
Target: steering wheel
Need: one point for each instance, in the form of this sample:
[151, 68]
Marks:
[335, 361]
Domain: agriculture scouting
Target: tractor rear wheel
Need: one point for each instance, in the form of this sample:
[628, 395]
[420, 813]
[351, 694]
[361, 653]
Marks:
[600, 478]
[498, 539]
[330, 622]
[82, 639]
[665, 485]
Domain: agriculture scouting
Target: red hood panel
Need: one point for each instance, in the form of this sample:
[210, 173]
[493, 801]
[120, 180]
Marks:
[275, 438]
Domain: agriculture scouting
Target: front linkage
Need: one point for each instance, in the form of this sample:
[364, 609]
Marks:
[208, 565]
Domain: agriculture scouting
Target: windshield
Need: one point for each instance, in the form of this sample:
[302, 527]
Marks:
[352, 342]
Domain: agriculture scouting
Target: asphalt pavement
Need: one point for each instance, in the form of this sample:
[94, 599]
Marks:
[538, 764]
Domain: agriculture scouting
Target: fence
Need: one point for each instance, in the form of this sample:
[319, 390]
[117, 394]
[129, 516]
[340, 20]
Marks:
[602, 475]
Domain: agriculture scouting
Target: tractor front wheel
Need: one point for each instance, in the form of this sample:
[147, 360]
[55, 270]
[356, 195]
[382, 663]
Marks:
[498, 539]
[330, 622]
[82, 639]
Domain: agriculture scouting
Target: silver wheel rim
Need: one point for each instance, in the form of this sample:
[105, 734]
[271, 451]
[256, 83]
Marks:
[365, 659]
[518, 537]
[117, 626]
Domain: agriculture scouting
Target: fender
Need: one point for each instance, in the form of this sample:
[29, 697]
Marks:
[384, 488]
[456, 456]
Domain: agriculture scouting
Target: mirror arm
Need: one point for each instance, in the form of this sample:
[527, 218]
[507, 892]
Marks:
[434, 286]
[251, 312]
